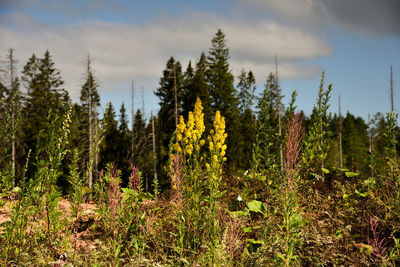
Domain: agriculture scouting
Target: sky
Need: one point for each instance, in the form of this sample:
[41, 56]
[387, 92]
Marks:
[353, 41]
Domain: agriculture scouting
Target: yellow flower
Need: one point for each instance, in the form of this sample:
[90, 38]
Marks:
[179, 136]
[222, 153]
[177, 147]
[211, 145]
[215, 158]
[202, 142]
[207, 166]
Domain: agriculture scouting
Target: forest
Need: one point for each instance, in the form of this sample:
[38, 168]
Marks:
[218, 176]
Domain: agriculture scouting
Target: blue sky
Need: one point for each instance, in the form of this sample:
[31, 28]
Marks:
[354, 41]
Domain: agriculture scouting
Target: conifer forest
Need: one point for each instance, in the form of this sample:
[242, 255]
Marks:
[217, 176]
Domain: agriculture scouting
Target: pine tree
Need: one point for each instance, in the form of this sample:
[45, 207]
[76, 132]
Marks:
[316, 145]
[188, 90]
[223, 93]
[172, 78]
[90, 101]
[355, 143]
[44, 93]
[246, 86]
[124, 145]
[108, 148]
[195, 86]
[13, 96]
[265, 154]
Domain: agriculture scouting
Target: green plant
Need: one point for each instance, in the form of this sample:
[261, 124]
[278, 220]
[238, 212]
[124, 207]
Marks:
[316, 145]
[291, 210]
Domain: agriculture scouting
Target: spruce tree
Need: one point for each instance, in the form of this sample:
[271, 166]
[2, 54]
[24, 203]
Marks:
[45, 92]
[172, 76]
[223, 93]
[355, 143]
[246, 86]
[90, 101]
[124, 145]
[265, 156]
[316, 145]
[108, 147]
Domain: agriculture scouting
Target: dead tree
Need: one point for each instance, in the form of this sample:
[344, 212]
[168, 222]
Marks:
[154, 146]
[340, 135]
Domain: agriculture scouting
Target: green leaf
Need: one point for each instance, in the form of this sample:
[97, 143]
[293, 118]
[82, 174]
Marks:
[351, 174]
[256, 206]
[239, 213]
[370, 182]
[346, 196]
[16, 189]
[339, 233]
[361, 194]
[253, 241]
[248, 229]
[324, 170]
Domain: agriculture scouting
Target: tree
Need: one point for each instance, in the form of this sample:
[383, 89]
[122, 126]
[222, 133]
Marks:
[223, 93]
[108, 148]
[316, 145]
[14, 97]
[170, 86]
[124, 145]
[45, 92]
[195, 86]
[90, 100]
[266, 146]
[355, 143]
[246, 86]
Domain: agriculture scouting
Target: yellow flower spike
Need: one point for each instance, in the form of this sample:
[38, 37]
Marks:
[207, 166]
[219, 145]
[211, 146]
[179, 136]
[215, 158]
[177, 147]
[222, 153]
[202, 142]
[224, 147]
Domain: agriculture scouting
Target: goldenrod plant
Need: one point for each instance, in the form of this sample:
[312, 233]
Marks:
[217, 147]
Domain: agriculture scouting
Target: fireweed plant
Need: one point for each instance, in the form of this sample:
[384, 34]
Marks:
[291, 211]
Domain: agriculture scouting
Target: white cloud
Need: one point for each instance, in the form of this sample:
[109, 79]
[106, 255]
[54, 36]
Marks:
[123, 52]
[363, 16]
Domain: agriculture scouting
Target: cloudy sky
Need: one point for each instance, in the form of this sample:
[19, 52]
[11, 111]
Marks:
[354, 41]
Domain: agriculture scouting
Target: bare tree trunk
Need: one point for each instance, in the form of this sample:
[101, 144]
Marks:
[176, 99]
[369, 135]
[90, 176]
[143, 111]
[370, 144]
[133, 121]
[154, 146]
[340, 135]
[96, 155]
[11, 67]
[279, 110]
[391, 89]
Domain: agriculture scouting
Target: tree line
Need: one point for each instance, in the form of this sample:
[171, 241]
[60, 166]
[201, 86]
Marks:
[255, 124]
